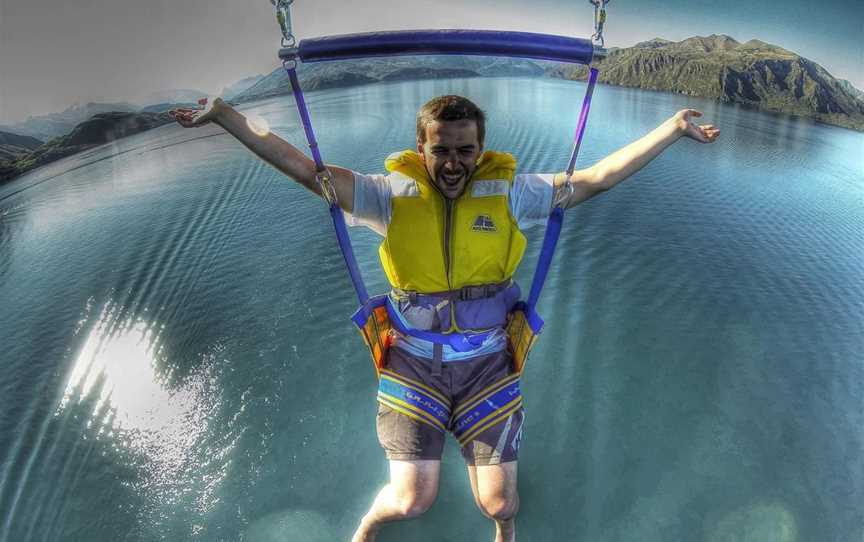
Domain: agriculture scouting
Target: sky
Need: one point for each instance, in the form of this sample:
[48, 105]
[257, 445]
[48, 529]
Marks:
[55, 54]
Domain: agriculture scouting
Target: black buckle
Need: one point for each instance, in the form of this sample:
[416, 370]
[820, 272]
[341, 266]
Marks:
[471, 293]
[405, 295]
[465, 293]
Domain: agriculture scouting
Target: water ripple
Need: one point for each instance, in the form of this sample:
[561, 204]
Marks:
[703, 324]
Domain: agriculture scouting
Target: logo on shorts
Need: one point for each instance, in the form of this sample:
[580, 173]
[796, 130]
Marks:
[518, 438]
[484, 223]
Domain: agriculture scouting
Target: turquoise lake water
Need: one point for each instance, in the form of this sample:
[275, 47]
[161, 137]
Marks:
[178, 362]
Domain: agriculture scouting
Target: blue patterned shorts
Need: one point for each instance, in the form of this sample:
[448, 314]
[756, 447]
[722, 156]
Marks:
[477, 400]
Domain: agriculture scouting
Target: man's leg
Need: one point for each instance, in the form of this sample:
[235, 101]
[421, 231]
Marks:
[412, 438]
[495, 492]
[412, 490]
[489, 389]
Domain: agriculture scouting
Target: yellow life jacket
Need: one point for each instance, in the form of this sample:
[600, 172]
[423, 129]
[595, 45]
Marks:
[434, 244]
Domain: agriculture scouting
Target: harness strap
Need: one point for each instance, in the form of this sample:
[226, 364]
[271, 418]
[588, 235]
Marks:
[491, 406]
[466, 293]
[464, 341]
[414, 399]
[556, 219]
[323, 177]
[437, 358]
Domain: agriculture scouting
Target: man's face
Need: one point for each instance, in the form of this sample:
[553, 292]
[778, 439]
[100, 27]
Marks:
[450, 154]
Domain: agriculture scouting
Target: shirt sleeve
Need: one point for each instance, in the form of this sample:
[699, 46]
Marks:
[371, 203]
[531, 198]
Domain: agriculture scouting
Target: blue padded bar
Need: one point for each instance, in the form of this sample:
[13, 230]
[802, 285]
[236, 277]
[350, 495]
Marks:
[443, 42]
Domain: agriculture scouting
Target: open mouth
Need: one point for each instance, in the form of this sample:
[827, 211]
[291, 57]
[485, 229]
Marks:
[452, 179]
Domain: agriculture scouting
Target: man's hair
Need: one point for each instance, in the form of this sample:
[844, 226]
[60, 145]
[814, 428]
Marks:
[450, 108]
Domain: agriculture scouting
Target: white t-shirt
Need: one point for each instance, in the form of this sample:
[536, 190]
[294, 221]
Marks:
[530, 201]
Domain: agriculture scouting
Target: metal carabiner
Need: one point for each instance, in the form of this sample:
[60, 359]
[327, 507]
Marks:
[283, 17]
[599, 20]
[324, 178]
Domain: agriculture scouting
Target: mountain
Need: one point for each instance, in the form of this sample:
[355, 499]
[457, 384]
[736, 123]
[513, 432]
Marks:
[13, 146]
[851, 89]
[342, 73]
[754, 74]
[229, 92]
[49, 126]
[164, 107]
[99, 129]
[108, 127]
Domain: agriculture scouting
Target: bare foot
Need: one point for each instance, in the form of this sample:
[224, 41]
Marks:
[365, 532]
[505, 531]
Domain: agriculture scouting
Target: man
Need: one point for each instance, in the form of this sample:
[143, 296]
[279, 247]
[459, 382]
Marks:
[451, 216]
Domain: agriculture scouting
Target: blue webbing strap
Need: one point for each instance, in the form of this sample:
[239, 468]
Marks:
[459, 342]
[402, 393]
[497, 404]
[583, 119]
[550, 240]
[556, 219]
[335, 210]
[348, 252]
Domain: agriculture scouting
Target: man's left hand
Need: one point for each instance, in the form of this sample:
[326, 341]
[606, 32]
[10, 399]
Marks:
[703, 133]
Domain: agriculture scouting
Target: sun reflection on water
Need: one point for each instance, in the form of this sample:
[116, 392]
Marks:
[120, 377]
[118, 363]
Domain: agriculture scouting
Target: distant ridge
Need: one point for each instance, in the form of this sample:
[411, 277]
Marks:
[231, 91]
[13, 146]
[718, 67]
[850, 88]
[97, 130]
[755, 74]
[48, 126]
[51, 125]
[323, 75]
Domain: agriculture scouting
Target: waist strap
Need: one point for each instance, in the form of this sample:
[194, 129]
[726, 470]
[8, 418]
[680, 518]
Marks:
[460, 342]
[466, 293]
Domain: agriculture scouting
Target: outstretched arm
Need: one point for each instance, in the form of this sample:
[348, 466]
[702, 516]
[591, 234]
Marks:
[269, 147]
[586, 183]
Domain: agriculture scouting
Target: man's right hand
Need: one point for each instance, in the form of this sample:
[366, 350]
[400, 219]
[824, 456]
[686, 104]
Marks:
[268, 146]
[193, 118]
